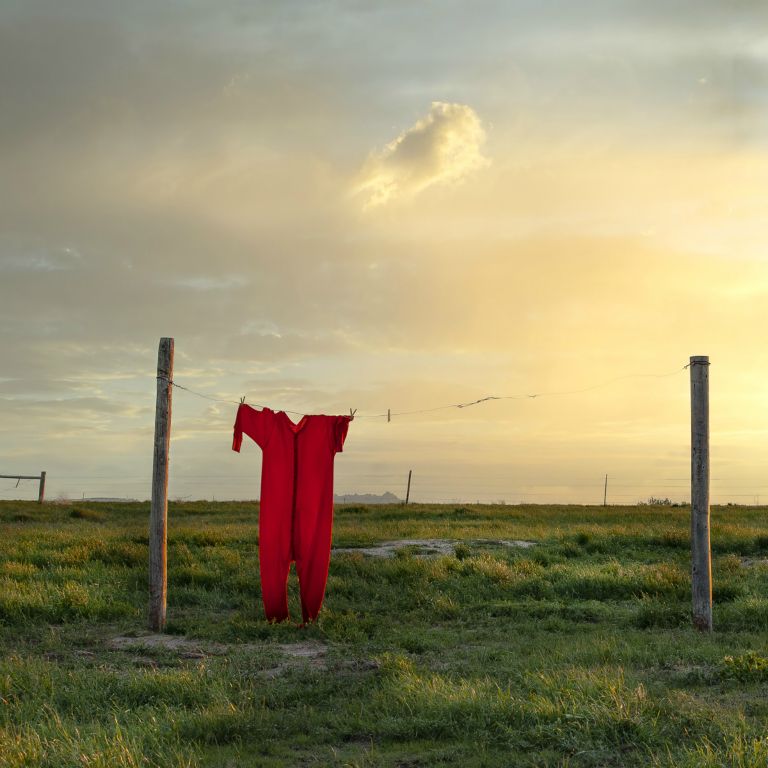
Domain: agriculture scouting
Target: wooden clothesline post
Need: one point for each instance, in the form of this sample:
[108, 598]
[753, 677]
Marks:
[701, 555]
[158, 516]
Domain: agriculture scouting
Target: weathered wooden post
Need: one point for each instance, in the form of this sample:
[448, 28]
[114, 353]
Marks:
[408, 492]
[41, 492]
[605, 492]
[701, 556]
[158, 516]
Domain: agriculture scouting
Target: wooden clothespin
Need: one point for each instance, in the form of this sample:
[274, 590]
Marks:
[242, 399]
[389, 415]
[352, 413]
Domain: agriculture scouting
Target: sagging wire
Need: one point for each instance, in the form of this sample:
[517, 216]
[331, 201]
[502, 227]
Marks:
[390, 413]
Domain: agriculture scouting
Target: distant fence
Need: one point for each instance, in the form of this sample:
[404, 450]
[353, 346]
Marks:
[40, 478]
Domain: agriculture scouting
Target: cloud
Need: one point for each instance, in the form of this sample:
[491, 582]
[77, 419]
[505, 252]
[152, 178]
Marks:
[18, 256]
[440, 148]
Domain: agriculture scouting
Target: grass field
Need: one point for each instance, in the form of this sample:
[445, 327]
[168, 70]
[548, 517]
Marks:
[574, 652]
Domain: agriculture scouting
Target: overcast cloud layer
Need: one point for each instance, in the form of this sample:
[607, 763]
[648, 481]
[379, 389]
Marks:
[334, 205]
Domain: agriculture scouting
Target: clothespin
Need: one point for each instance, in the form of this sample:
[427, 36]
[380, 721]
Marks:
[242, 399]
[389, 415]
[352, 413]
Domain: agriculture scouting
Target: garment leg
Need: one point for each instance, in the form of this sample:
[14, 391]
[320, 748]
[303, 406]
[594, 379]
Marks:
[274, 562]
[274, 585]
[312, 547]
[313, 576]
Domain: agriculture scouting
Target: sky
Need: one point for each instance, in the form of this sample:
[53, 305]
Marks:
[403, 205]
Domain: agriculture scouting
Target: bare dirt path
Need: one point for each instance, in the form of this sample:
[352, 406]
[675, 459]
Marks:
[427, 547]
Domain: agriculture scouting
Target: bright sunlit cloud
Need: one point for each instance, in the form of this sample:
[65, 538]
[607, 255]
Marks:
[442, 147]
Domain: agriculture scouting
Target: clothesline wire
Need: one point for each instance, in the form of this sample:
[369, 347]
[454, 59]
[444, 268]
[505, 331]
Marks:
[389, 413]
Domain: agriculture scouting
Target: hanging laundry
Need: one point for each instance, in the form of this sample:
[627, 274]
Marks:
[296, 509]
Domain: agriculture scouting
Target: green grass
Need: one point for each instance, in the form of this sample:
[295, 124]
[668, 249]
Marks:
[577, 652]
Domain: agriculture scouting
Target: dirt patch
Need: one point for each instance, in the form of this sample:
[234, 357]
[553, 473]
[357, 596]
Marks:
[295, 654]
[521, 543]
[311, 654]
[306, 650]
[428, 547]
[176, 643]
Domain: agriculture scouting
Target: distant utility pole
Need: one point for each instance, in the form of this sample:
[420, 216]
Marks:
[408, 492]
[158, 516]
[605, 492]
[701, 554]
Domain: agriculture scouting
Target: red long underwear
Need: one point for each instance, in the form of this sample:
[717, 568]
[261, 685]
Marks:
[296, 509]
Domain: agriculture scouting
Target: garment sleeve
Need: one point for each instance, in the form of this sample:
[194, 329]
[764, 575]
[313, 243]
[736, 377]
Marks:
[340, 427]
[256, 424]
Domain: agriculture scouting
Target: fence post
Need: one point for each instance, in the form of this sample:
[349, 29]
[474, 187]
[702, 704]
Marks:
[701, 556]
[158, 516]
[408, 492]
[41, 492]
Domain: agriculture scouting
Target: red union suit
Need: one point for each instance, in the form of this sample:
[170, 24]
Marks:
[296, 509]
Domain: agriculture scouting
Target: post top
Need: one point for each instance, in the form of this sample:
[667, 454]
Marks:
[700, 360]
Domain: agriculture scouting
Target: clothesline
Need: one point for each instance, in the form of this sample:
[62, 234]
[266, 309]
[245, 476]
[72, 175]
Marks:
[390, 413]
